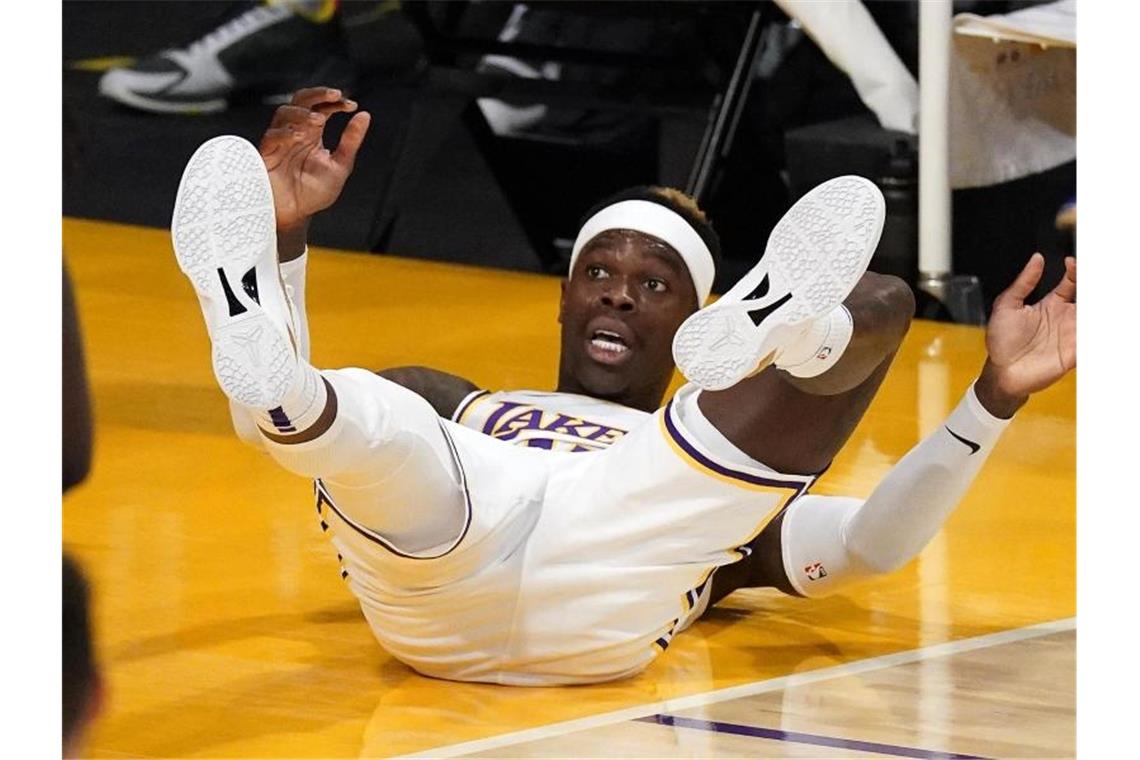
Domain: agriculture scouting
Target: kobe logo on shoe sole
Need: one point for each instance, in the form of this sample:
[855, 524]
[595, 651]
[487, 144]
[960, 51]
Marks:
[728, 337]
[248, 342]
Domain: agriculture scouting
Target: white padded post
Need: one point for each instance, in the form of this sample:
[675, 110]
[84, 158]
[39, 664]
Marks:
[935, 26]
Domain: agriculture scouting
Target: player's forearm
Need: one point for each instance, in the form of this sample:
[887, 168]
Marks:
[913, 501]
[292, 239]
[293, 275]
[828, 541]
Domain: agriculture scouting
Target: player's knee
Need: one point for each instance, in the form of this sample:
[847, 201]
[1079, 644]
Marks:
[398, 375]
[897, 299]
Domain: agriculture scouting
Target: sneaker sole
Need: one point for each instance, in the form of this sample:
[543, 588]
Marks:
[223, 227]
[814, 257]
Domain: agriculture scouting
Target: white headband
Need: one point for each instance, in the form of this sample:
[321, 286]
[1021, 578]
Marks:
[660, 222]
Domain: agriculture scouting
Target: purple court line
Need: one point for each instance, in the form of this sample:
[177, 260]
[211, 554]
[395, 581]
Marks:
[798, 738]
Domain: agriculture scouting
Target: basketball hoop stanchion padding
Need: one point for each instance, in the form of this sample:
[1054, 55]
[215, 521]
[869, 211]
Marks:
[960, 296]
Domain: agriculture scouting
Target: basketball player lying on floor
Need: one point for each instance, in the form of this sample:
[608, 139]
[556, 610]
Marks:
[481, 545]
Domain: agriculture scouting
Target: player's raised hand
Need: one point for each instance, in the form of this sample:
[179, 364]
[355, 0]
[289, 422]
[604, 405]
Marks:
[1031, 346]
[306, 177]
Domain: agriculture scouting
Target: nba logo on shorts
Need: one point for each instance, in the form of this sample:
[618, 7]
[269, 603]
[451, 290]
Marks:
[815, 571]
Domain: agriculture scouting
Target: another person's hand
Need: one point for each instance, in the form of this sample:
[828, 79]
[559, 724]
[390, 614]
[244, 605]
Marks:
[306, 177]
[1030, 346]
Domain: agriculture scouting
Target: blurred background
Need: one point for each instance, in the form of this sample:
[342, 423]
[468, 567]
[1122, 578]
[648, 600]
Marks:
[498, 124]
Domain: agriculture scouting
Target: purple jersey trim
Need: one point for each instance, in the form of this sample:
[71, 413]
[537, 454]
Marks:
[466, 404]
[799, 485]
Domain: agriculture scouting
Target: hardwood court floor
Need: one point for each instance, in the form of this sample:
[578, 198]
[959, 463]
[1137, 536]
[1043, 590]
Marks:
[225, 631]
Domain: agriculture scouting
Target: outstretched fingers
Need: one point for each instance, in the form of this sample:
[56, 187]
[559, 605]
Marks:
[351, 139]
[304, 120]
[1014, 296]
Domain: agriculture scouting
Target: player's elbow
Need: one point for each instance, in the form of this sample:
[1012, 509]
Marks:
[882, 563]
[878, 557]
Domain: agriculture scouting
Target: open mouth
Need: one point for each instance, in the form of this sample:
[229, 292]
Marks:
[608, 347]
[608, 341]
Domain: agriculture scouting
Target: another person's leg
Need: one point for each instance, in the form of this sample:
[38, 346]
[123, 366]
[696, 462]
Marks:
[82, 683]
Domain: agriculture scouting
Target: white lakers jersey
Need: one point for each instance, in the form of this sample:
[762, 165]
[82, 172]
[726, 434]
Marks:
[547, 420]
[570, 567]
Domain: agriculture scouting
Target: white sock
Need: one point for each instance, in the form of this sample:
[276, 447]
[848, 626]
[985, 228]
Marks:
[306, 400]
[820, 346]
[302, 405]
[293, 275]
[246, 422]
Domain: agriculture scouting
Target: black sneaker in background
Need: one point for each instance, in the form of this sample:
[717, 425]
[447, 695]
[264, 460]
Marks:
[265, 53]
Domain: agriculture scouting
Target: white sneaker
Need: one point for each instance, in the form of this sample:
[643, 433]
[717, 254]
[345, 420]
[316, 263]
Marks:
[225, 239]
[814, 258]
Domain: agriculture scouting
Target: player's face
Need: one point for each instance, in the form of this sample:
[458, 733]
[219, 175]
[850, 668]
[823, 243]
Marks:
[627, 295]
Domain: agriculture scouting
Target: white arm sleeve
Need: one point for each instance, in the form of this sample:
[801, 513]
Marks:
[828, 540]
[293, 275]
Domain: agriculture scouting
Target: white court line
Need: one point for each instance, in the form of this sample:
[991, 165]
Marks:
[750, 689]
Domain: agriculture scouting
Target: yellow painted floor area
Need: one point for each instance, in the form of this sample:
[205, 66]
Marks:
[224, 629]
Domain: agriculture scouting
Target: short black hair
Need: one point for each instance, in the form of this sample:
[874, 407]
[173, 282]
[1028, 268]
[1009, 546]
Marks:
[669, 198]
